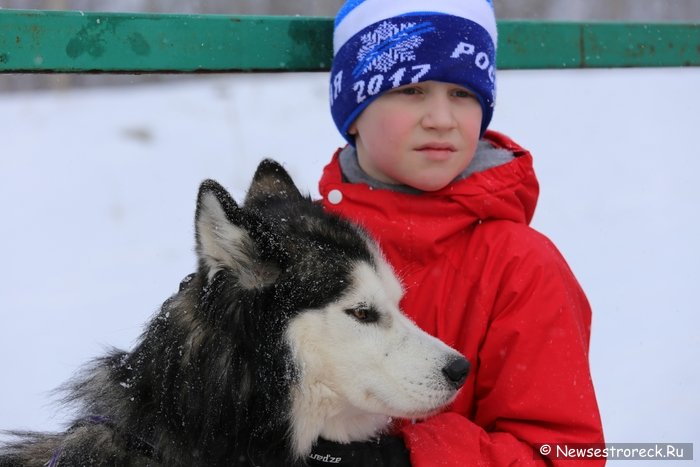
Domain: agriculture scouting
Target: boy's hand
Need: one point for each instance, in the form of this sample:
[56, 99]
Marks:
[386, 451]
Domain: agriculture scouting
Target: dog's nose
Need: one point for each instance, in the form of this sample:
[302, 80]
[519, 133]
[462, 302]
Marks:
[456, 371]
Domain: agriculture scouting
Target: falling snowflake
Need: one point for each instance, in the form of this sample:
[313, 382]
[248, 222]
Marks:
[388, 45]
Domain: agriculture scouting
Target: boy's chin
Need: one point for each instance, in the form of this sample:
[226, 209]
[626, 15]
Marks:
[434, 180]
[429, 185]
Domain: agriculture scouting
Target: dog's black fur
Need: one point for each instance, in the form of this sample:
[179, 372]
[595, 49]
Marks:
[208, 383]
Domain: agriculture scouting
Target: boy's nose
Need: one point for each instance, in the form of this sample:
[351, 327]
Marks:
[438, 114]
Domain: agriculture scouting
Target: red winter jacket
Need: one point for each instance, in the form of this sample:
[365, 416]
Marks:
[480, 279]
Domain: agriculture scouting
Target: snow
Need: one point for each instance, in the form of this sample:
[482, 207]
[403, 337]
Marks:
[97, 192]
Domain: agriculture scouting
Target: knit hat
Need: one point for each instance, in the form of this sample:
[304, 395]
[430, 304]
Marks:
[379, 45]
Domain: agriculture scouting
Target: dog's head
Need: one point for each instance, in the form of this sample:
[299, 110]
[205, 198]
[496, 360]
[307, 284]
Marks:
[320, 289]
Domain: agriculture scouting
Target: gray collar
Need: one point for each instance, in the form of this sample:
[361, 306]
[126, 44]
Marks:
[486, 157]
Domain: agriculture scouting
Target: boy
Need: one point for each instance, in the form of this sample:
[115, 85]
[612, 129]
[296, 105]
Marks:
[413, 91]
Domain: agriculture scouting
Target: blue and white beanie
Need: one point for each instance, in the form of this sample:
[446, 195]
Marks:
[379, 45]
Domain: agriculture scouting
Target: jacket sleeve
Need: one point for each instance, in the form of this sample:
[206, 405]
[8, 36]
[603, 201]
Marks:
[532, 377]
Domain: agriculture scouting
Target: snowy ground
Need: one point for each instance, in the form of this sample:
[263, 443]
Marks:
[97, 193]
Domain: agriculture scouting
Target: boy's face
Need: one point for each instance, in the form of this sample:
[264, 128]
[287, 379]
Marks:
[422, 135]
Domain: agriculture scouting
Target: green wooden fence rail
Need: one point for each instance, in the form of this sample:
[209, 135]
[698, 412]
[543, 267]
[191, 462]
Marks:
[34, 41]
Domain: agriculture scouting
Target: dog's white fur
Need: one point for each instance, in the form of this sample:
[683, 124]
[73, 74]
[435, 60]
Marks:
[355, 376]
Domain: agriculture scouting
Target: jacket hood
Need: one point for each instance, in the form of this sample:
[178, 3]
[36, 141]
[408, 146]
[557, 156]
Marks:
[423, 223]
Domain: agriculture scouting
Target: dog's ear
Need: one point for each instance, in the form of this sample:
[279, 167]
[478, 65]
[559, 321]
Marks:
[271, 180]
[223, 239]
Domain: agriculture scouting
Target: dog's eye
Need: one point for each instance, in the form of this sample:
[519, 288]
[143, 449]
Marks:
[363, 313]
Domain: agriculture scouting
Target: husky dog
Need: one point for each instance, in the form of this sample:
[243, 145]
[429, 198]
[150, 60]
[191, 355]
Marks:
[289, 331]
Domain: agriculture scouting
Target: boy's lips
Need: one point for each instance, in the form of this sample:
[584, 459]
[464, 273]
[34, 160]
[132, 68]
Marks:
[436, 151]
[436, 147]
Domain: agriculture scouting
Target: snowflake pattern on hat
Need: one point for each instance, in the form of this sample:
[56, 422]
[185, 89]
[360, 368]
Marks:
[389, 44]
